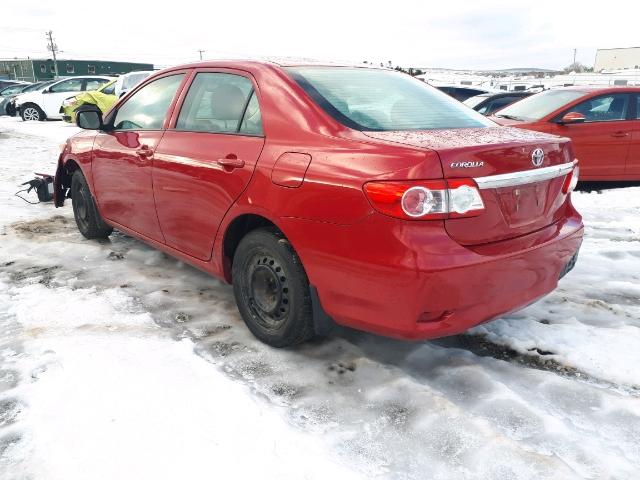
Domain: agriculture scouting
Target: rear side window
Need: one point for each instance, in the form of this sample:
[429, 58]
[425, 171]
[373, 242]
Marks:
[220, 103]
[383, 100]
[147, 108]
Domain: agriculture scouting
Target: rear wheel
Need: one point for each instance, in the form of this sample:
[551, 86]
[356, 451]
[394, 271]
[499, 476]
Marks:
[31, 112]
[88, 220]
[272, 289]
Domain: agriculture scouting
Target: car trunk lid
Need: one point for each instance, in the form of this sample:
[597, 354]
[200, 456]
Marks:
[521, 191]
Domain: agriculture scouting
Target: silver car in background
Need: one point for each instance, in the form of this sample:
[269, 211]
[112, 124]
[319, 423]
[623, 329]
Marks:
[8, 93]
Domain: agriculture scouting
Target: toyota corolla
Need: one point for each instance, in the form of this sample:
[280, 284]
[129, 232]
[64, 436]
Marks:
[329, 194]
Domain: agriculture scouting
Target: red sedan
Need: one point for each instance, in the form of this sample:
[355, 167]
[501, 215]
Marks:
[326, 194]
[603, 124]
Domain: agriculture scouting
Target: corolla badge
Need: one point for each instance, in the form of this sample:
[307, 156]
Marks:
[537, 157]
[467, 164]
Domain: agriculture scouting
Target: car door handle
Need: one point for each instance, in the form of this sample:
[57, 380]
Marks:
[620, 134]
[144, 151]
[231, 162]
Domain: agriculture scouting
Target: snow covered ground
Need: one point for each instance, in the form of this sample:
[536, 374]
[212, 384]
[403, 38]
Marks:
[119, 362]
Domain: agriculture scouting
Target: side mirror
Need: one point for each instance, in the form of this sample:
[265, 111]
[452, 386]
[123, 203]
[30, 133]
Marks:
[572, 117]
[47, 90]
[89, 118]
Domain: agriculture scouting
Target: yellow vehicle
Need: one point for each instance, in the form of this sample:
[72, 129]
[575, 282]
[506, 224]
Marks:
[104, 98]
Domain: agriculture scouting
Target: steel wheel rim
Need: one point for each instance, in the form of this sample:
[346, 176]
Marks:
[268, 292]
[31, 114]
[81, 209]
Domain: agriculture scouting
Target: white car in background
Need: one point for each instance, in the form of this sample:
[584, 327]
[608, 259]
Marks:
[45, 103]
[126, 82]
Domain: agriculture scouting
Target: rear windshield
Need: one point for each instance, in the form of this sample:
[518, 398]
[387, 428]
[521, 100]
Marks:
[539, 105]
[383, 100]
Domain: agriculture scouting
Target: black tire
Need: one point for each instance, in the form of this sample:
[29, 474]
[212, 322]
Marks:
[31, 112]
[88, 220]
[272, 289]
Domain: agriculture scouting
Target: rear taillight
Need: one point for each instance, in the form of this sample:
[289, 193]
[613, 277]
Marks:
[571, 180]
[426, 200]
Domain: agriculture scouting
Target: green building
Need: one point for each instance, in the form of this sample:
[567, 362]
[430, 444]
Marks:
[40, 69]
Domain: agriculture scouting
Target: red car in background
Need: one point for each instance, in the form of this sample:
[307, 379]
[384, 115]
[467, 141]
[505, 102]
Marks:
[603, 124]
[325, 194]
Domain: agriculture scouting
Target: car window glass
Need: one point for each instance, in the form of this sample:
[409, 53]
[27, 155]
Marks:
[110, 90]
[383, 100]
[11, 90]
[498, 103]
[537, 106]
[252, 120]
[215, 103]
[147, 108]
[71, 85]
[604, 109]
[94, 84]
[637, 106]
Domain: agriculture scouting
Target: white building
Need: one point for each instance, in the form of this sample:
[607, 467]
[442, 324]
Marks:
[617, 58]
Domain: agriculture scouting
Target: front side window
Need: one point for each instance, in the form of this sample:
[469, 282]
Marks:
[217, 102]
[147, 108]
[540, 105]
[607, 108]
[383, 100]
[71, 85]
[94, 83]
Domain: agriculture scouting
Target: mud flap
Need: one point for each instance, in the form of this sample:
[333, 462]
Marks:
[322, 323]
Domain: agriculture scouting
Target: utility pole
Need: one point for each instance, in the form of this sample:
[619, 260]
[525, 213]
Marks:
[53, 48]
[575, 51]
[200, 52]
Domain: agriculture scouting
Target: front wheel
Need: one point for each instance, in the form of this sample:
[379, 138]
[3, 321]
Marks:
[272, 289]
[88, 220]
[31, 112]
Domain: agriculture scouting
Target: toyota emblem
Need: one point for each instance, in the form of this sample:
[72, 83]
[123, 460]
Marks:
[537, 157]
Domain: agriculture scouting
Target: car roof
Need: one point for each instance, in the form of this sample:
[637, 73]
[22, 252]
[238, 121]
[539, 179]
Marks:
[270, 62]
[599, 88]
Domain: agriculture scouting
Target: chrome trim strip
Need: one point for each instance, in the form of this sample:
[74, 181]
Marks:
[524, 177]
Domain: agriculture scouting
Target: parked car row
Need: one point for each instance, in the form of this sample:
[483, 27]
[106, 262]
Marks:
[44, 100]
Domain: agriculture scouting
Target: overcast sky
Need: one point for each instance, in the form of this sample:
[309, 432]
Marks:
[481, 34]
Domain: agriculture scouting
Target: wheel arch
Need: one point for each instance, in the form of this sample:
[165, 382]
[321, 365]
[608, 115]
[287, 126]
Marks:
[235, 231]
[34, 104]
[62, 180]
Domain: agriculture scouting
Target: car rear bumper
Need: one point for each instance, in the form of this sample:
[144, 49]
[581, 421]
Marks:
[411, 280]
